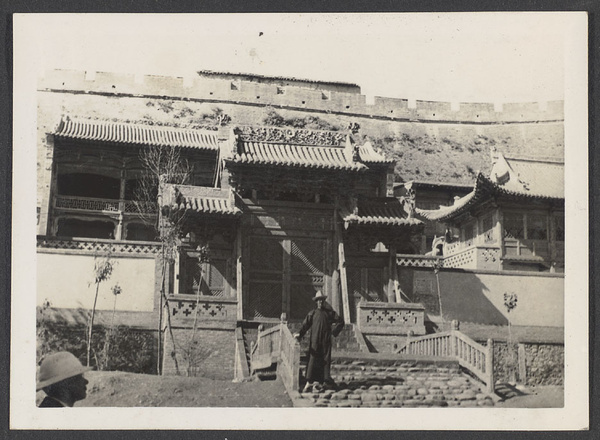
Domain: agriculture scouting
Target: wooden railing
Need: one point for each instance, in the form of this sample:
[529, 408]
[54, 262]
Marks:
[289, 366]
[278, 345]
[77, 203]
[476, 358]
[266, 349]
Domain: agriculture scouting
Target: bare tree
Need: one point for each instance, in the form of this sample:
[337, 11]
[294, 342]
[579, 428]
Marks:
[162, 165]
[103, 268]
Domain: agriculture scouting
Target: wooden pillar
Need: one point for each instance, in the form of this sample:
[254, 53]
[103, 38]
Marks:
[119, 229]
[45, 221]
[176, 271]
[552, 241]
[239, 274]
[489, 366]
[393, 276]
[342, 269]
[286, 300]
[335, 273]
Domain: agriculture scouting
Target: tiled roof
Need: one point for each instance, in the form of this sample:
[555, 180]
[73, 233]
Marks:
[106, 131]
[197, 199]
[301, 156]
[532, 178]
[416, 184]
[368, 154]
[485, 188]
[380, 211]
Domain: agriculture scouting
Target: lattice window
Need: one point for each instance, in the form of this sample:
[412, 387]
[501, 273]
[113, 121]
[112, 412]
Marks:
[469, 234]
[216, 277]
[265, 300]
[308, 255]
[514, 225]
[213, 273]
[266, 254]
[487, 224]
[375, 284]
[559, 227]
[537, 227]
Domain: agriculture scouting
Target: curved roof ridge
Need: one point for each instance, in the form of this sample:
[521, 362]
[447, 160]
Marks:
[135, 133]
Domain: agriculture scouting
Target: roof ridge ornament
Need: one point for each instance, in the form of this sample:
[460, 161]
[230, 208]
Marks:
[290, 135]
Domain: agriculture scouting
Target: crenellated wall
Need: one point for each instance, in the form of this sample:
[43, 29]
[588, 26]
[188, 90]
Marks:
[433, 141]
[248, 92]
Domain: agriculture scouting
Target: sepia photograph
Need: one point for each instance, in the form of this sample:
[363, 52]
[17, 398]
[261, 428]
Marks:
[245, 220]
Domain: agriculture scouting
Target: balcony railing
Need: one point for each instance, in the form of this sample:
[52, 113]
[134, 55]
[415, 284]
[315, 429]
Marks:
[92, 204]
[474, 257]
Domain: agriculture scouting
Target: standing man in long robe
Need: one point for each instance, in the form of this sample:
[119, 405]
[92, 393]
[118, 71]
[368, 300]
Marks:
[322, 322]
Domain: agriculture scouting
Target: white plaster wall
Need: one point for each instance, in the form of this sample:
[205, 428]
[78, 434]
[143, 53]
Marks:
[67, 281]
[479, 297]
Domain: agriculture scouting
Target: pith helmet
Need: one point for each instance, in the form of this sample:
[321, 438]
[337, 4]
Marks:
[319, 295]
[59, 366]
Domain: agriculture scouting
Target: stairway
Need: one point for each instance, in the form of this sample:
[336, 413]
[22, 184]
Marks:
[380, 381]
[250, 334]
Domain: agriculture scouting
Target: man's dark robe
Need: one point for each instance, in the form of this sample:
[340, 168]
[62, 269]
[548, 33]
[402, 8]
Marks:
[322, 324]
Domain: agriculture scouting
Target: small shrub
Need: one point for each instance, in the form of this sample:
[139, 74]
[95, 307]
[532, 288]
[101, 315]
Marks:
[129, 350]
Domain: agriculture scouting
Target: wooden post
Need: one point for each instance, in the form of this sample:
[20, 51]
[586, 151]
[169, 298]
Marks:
[296, 367]
[489, 366]
[50, 172]
[238, 274]
[522, 364]
[177, 275]
[391, 295]
[342, 266]
[343, 278]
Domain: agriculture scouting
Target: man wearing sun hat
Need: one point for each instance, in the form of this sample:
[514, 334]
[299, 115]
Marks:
[322, 322]
[61, 378]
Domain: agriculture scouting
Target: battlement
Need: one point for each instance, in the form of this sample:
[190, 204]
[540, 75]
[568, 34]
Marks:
[295, 94]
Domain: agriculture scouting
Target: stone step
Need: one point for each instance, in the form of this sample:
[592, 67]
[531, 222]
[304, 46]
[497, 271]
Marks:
[385, 383]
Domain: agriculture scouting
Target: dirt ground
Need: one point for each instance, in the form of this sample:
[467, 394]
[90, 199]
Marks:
[117, 389]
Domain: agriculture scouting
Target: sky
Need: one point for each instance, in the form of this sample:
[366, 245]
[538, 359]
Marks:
[473, 57]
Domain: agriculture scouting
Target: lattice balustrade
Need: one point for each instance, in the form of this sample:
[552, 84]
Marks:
[184, 311]
[86, 204]
[465, 259]
[416, 261]
[93, 247]
[391, 318]
[451, 248]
